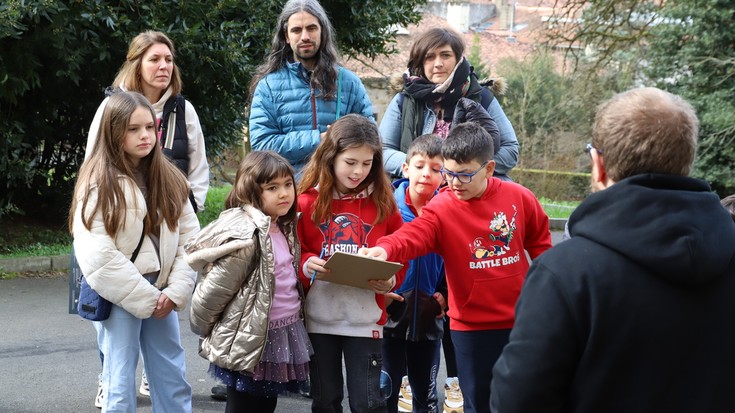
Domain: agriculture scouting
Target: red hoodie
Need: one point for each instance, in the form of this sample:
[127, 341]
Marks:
[334, 308]
[483, 242]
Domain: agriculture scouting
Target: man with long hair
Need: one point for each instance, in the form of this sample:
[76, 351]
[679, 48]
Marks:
[301, 89]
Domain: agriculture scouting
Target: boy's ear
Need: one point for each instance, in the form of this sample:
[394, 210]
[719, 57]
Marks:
[404, 168]
[490, 168]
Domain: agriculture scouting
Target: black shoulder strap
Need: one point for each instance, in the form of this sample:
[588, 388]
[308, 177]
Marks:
[486, 97]
[140, 243]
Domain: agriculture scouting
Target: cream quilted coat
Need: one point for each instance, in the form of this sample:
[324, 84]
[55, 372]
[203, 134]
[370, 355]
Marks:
[105, 260]
[232, 300]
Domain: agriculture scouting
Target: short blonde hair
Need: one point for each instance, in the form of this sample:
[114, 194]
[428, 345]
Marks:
[646, 130]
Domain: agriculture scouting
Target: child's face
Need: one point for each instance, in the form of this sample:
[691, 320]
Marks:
[278, 196]
[140, 135]
[478, 181]
[351, 167]
[423, 173]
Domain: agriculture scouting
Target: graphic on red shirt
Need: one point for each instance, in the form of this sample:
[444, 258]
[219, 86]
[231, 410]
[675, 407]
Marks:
[344, 232]
[499, 238]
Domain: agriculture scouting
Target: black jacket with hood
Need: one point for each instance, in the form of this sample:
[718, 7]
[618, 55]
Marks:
[635, 313]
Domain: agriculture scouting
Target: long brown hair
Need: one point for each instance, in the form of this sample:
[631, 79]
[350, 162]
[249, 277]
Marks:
[166, 187]
[350, 131]
[324, 76]
[129, 73]
[260, 167]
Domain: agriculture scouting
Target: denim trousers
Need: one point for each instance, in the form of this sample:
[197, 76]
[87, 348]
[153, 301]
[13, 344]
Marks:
[420, 361]
[123, 338]
[477, 352]
[363, 363]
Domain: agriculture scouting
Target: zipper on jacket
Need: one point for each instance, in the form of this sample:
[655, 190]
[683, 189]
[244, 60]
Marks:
[313, 108]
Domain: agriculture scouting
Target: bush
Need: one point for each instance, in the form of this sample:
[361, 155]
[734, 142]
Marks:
[58, 56]
[570, 186]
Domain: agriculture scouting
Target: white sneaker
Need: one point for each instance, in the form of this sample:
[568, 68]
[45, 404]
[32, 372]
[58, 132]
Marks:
[453, 400]
[144, 389]
[98, 400]
[405, 397]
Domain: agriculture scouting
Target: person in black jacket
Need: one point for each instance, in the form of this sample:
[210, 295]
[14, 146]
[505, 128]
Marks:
[634, 313]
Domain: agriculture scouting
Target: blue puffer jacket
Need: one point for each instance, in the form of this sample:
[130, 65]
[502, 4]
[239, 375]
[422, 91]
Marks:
[282, 116]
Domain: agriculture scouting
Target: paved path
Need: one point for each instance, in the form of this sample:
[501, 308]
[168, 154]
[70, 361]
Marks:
[49, 360]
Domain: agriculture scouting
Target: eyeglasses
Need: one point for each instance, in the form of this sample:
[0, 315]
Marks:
[463, 177]
[590, 148]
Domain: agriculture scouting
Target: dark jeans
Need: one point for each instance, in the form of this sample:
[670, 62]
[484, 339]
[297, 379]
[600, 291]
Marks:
[421, 360]
[238, 401]
[477, 352]
[363, 362]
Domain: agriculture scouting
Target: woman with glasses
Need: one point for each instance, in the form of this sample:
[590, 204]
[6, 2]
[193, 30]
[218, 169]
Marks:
[439, 89]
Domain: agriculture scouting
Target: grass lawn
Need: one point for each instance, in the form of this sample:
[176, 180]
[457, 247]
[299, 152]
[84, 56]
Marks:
[558, 209]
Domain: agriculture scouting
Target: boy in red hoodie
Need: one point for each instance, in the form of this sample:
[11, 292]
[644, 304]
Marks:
[482, 227]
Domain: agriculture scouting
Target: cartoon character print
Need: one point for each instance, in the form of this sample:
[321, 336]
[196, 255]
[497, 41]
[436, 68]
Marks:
[344, 232]
[499, 239]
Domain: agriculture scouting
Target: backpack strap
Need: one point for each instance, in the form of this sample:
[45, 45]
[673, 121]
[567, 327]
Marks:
[140, 244]
[486, 97]
[168, 140]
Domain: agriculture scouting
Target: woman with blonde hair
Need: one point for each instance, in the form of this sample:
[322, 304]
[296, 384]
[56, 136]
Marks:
[150, 69]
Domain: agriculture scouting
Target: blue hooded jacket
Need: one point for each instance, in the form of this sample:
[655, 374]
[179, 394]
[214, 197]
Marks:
[287, 116]
[415, 318]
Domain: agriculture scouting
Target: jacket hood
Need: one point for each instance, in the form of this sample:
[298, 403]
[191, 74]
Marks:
[224, 236]
[399, 193]
[672, 226]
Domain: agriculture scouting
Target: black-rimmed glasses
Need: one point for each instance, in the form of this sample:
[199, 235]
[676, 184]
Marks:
[464, 178]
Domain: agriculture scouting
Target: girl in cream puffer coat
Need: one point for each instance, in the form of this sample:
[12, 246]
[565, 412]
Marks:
[127, 191]
[248, 305]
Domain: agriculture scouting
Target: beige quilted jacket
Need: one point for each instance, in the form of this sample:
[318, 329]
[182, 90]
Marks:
[232, 300]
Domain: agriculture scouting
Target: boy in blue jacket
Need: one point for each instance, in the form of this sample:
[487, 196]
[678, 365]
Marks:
[413, 333]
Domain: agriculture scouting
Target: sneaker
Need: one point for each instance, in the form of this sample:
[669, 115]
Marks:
[405, 396]
[99, 398]
[219, 392]
[453, 401]
[144, 389]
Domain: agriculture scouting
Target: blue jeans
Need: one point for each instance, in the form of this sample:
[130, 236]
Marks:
[363, 363]
[421, 360]
[477, 352]
[123, 338]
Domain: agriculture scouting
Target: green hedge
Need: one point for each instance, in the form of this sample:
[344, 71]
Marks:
[572, 186]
